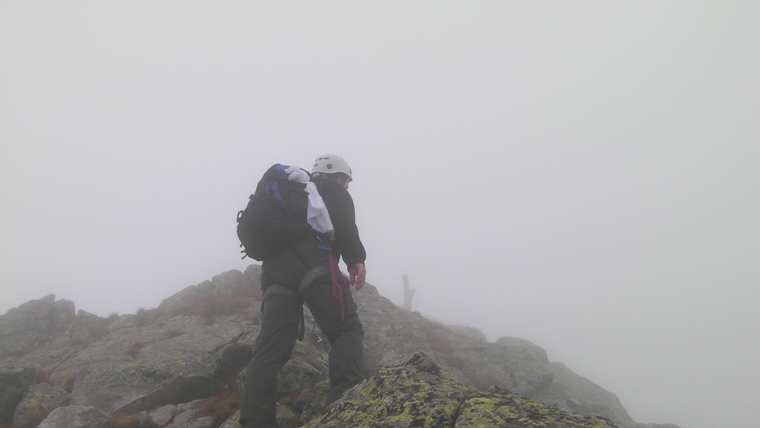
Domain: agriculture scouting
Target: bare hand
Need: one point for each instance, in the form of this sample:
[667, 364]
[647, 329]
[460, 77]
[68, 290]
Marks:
[358, 275]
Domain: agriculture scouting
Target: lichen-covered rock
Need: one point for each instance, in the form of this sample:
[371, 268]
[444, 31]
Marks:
[415, 394]
[421, 394]
[306, 368]
[499, 408]
[315, 401]
[41, 399]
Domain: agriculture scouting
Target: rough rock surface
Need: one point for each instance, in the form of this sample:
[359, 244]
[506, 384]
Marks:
[574, 393]
[421, 394]
[417, 393]
[36, 324]
[14, 384]
[513, 364]
[181, 364]
[76, 417]
[498, 408]
[41, 398]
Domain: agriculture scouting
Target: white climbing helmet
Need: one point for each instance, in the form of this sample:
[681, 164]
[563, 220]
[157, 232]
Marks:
[331, 164]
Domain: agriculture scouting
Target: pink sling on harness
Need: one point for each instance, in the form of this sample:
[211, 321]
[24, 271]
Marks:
[341, 287]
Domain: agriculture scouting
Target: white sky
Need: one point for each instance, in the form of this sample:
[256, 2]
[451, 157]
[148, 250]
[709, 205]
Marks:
[583, 175]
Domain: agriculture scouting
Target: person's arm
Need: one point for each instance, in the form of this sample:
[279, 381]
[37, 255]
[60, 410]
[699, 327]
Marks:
[341, 207]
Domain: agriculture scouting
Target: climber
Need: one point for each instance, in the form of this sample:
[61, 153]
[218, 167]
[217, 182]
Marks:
[307, 271]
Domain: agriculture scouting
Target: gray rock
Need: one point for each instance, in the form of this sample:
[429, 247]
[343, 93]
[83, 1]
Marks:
[34, 324]
[473, 332]
[76, 417]
[204, 422]
[232, 421]
[419, 393]
[306, 368]
[392, 335]
[574, 393]
[228, 283]
[135, 369]
[656, 426]
[185, 418]
[179, 390]
[190, 419]
[229, 361]
[516, 365]
[163, 415]
[40, 399]
[123, 322]
[185, 298]
[14, 383]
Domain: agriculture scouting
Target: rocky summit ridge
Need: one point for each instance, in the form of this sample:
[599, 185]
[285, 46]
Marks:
[181, 364]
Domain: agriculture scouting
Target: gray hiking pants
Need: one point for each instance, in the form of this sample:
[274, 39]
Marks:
[282, 313]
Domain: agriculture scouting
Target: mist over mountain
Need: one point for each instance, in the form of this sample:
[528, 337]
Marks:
[582, 175]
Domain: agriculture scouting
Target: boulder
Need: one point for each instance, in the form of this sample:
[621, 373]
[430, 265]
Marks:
[34, 324]
[499, 408]
[228, 283]
[516, 365]
[419, 393]
[188, 297]
[14, 383]
[135, 369]
[414, 394]
[39, 401]
[190, 419]
[180, 390]
[163, 415]
[574, 393]
[229, 361]
[392, 335]
[472, 332]
[76, 417]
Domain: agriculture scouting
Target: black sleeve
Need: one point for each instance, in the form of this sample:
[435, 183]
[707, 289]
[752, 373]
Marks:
[340, 205]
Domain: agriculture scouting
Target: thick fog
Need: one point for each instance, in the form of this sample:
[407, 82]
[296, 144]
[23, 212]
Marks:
[583, 175]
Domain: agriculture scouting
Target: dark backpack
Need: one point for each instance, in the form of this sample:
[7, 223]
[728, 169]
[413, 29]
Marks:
[275, 216]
